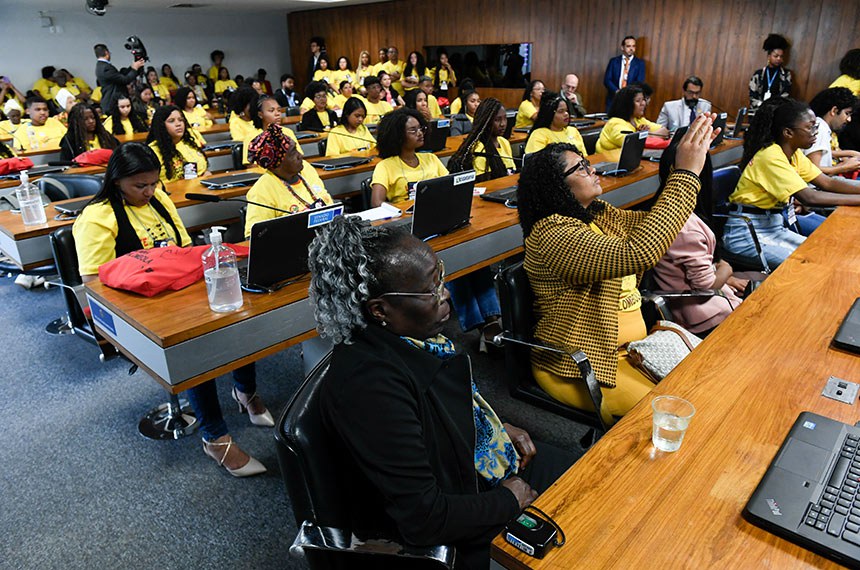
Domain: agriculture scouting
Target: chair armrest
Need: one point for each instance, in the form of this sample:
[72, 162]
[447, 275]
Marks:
[753, 235]
[337, 540]
[79, 290]
[579, 358]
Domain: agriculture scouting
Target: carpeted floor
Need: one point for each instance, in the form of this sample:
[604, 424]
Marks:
[82, 489]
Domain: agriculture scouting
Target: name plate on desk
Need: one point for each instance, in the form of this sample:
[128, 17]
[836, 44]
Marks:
[316, 219]
[102, 317]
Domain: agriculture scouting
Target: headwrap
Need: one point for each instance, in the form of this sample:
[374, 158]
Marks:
[269, 148]
[12, 104]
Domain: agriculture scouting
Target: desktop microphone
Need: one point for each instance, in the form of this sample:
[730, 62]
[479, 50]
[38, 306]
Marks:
[488, 155]
[341, 134]
[211, 198]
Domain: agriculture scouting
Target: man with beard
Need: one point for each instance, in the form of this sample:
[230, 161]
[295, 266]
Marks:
[682, 112]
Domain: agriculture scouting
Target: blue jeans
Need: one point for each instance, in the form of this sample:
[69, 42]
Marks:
[204, 400]
[474, 298]
[806, 223]
[777, 241]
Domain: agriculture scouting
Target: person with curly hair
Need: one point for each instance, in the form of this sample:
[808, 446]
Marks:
[85, 132]
[485, 149]
[414, 70]
[552, 125]
[239, 113]
[772, 80]
[849, 67]
[319, 117]
[626, 115]
[584, 259]
[833, 110]
[123, 120]
[426, 456]
[174, 143]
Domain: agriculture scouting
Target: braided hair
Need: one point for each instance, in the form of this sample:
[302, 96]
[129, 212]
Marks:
[351, 262]
[76, 136]
[158, 134]
[548, 104]
[542, 190]
[138, 122]
[767, 125]
[482, 132]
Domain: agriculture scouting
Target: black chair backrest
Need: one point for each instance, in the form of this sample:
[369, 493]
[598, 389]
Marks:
[293, 111]
[64, 186]
[366, 193]
[590, 140]
[322, 146]
[517, 302]
[66, 261]
[236, 155]
[724, 181]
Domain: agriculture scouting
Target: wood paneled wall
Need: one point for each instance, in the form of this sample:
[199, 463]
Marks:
[719, 40]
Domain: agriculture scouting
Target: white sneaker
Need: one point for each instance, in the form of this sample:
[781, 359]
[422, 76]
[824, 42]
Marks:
[25, 281]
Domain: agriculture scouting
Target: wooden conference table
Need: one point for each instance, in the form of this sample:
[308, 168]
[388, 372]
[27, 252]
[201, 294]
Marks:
[626, 505]
[181, 343]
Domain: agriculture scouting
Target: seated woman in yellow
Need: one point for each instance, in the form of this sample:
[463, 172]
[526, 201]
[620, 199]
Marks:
[324, 73]
[528, 110]
[345, 90]
[123, 120]
[375, 104]
[319, 118]
[129, 213]
[240, 118]
[626, 115]
[849, 67]
[194, 112]
[401, 134]
[144, 102]
[162, 94]
[266, 112]
[350, 134]
[13, 111]
[289, 183]
[224, 83]
[552, 126]
[417, 99]
[342, 72]
[425, 83]
[486, 138]
[168, 79]
[43, 132]
[86, 132]
[174, 144]
[584, 258]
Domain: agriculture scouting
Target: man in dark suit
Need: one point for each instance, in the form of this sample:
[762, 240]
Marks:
[317, 45]
[623, 70]
[112, 81]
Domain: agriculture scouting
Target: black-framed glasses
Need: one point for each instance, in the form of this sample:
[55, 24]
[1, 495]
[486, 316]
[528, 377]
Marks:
[438, 289]
[583, 169]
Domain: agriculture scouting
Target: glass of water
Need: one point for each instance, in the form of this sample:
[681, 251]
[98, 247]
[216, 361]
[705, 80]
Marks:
[672, 415]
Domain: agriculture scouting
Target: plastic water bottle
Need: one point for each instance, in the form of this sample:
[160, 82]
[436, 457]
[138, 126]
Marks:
[221, 275]
[30, 202]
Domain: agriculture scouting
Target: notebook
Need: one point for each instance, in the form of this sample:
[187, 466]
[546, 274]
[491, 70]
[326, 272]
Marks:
[808, 494]
[279, 248]
[438, 131]
[631, 154]
[442, 205]
[231, 180]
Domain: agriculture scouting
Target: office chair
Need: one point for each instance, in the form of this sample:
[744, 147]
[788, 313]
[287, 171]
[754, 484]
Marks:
[724, 182]
[517, 301]
[655, 306]
[236, 152]
[318, 495]
[590, 140]
[293, 111]
[366, 193]
[322, 146]
[64, 186]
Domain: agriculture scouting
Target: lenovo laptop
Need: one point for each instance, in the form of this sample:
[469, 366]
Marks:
[442, 205]
[631, 154]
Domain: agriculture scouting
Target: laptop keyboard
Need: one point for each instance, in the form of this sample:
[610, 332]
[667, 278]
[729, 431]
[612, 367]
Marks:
[838, 511]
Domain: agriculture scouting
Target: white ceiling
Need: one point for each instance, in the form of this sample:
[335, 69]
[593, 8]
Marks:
[209, 6]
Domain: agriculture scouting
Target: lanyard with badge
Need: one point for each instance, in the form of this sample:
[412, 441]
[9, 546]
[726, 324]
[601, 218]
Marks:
[770, 81]
[316, 203]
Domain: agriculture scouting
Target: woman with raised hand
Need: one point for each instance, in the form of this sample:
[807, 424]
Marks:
[552, 125]
[178, 150]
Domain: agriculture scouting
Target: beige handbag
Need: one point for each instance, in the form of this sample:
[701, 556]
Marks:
[660, 352]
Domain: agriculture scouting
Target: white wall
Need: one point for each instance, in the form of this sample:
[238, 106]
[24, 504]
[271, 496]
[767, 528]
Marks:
[179, 37]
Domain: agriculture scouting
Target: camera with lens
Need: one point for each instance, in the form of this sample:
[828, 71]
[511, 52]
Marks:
[136, 47]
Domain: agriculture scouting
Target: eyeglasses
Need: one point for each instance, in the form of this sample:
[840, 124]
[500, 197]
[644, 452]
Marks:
[813, 130]
[438, 289]
[320, 95]
[414, 130]
[583, 169]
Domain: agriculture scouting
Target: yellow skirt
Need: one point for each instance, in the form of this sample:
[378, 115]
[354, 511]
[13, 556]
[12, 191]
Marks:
[630, 384]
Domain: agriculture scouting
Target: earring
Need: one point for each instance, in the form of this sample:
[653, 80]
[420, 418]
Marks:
[383, 323]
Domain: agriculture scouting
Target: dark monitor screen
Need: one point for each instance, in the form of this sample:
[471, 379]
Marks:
[488, 65]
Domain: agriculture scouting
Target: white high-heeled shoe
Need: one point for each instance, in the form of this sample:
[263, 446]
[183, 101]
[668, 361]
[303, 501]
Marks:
[264, 419]
[253, 467]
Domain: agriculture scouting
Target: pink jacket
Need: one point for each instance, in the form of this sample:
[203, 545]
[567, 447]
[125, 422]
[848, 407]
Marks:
[689, 264]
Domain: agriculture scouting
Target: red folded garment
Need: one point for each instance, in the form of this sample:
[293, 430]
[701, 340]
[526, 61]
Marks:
[151, 271]
[656, 142]
[15, 164]
[95, 157]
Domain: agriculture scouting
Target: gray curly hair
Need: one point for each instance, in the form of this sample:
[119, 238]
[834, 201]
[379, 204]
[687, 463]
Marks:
[350, 262]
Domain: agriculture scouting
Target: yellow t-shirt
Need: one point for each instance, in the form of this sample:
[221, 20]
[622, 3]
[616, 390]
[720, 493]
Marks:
[223, 85]
[197, 117]
[456, 106]
[480, 162]
[31, 137]
[849, 82]
[71, 87]
[168, 82]
[444, 77]
[187, 154]
[239, 127]
[543, 137]
[339, 101]
[126, 125]
[524, 115]
[271, 190]
[341, 141]
[396, 175]
[390, 68]
[43, 87]
[326, 76]
[435, 109]
[161, 91]
[96, 230]
[7, 128]
[360, 74]
[375, 111]
[97, 94]
[246, 142]
[612, 136]
[346, 75]
[770, 179]
[82, 85]
[213, 72]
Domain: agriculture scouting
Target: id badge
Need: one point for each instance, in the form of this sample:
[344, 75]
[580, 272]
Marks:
[766, 96]
[189, 170]
[790, 213]
[410, 187]
[443, 85]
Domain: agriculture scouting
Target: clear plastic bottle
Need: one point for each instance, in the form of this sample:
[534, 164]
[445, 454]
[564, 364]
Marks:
[30, 202]
[221, 275]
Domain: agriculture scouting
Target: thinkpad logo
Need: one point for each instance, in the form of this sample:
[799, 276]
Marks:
[774, 507]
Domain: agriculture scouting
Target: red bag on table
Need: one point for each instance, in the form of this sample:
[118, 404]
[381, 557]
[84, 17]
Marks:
[15, 164]
[657, 142]
[151, 271]
[95, 157]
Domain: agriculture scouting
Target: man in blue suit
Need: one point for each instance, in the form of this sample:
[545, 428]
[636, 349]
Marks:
[623, 70]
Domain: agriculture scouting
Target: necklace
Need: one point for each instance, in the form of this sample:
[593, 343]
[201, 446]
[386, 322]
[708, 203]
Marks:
[155, 242]
[317, 201]
[410, 190]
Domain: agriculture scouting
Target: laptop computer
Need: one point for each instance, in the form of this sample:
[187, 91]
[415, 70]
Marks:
[848, 335]
[306, 135]
[631, 154]
[74, 207]
[511, 115]
[581, 123]
[807, 494]
[339, 163]
[438, 131]
[231, 180]
[739, 124]
[720, 122]
[35, 171]
[442, 205]
[654, 155]
[506, 196]
[219, 145]
[268, 268]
